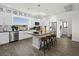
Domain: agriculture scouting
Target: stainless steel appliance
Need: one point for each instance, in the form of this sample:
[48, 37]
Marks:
[13, 36]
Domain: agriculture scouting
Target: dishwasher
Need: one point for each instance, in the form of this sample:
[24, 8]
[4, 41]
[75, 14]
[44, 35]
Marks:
[13, 36]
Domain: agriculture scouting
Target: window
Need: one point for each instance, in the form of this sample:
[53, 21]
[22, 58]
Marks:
[65, 24]
[20, 21]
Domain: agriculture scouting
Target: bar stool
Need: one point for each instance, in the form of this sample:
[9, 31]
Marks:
[48, 38]
[43, 44]
[53, 39]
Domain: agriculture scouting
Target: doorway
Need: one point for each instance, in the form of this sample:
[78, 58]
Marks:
[66, 29]
[53, 27]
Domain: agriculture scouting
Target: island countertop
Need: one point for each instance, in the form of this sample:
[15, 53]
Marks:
[40, 34]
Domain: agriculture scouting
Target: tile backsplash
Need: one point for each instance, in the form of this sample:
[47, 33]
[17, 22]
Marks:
[5, 28]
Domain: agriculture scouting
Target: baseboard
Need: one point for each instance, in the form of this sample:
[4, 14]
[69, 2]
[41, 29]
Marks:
[75, 41]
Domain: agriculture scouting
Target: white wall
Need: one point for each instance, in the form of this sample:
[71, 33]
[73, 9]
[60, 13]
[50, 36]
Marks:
[75, 26]
[73, 18]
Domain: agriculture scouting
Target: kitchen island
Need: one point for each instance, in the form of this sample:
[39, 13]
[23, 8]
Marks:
[36, 38]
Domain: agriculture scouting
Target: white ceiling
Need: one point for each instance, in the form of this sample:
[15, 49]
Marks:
[44, 9]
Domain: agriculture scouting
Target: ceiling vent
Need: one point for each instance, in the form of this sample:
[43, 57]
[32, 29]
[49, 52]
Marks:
[68, 8]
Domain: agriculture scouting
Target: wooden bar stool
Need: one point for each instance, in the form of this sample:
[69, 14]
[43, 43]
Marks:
[48, 38]
[53, 39]
[43, 44]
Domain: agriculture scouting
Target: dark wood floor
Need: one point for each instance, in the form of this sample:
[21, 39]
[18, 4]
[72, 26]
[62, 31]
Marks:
[64, 47]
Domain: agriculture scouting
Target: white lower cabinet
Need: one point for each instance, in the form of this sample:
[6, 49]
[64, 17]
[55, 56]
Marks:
[23, 35]
[4, 38]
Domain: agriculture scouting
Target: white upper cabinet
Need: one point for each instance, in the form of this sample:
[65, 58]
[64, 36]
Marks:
[1, 18]
[7, 19]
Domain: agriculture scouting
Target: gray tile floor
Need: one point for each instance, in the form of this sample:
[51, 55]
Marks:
[64, 47]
